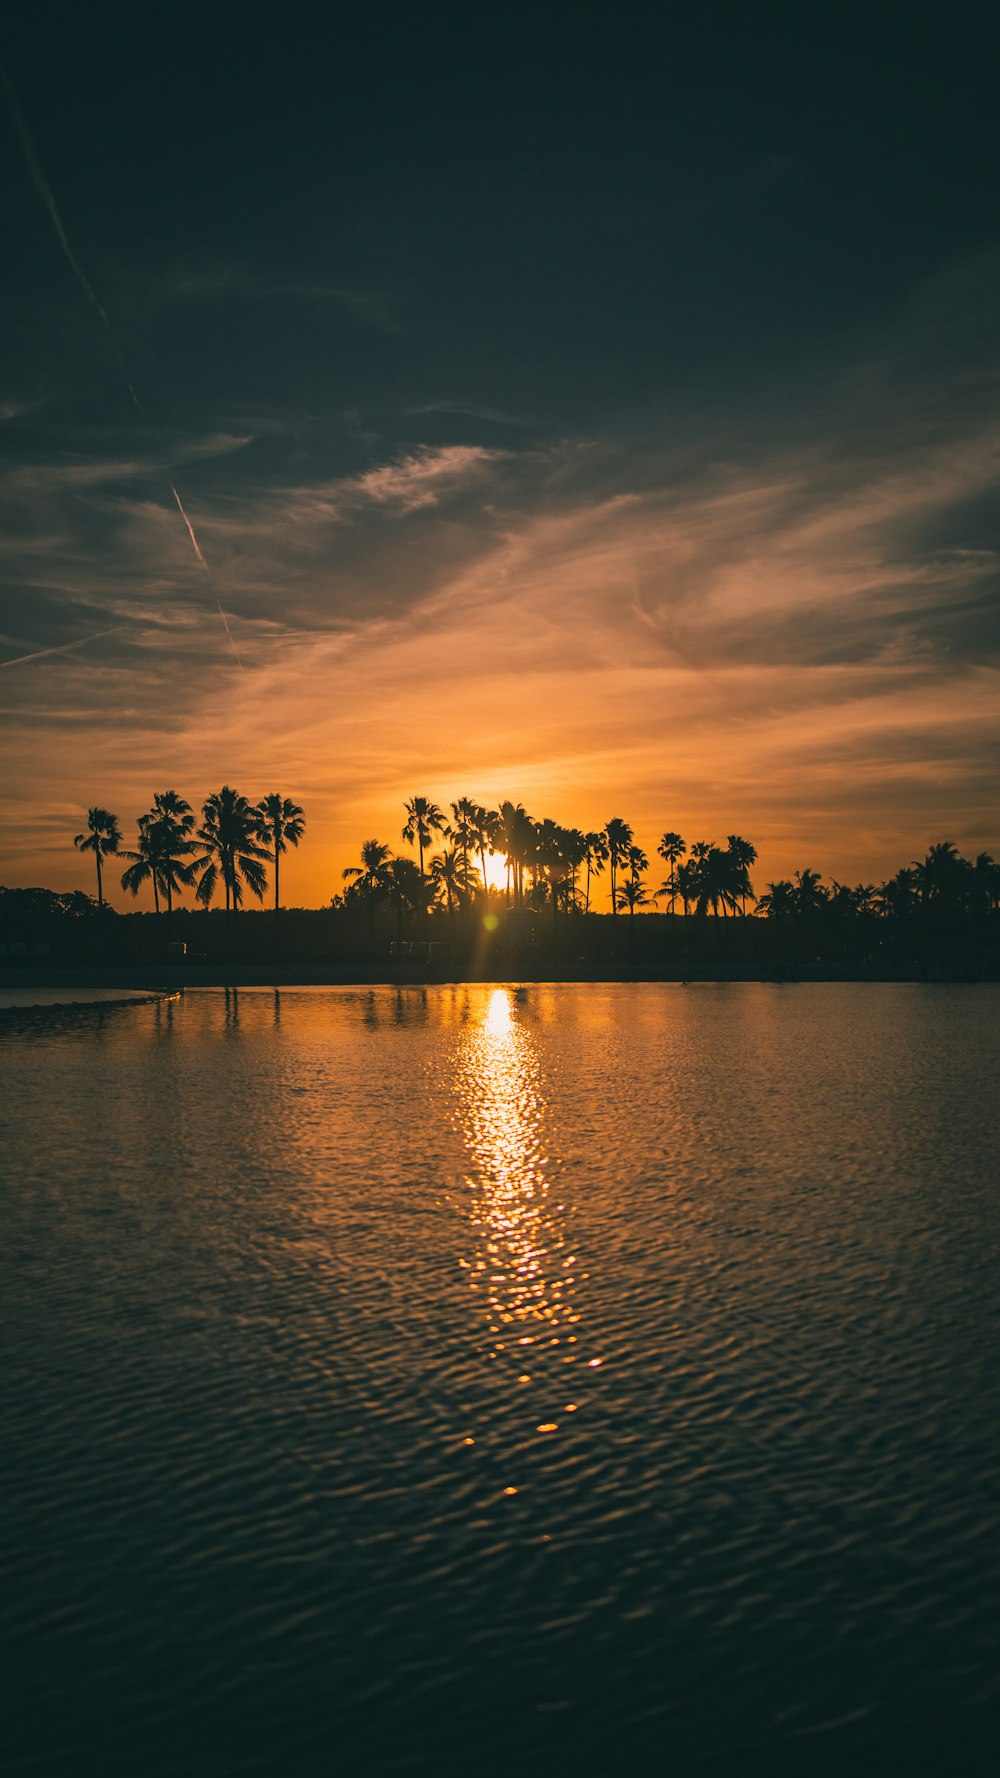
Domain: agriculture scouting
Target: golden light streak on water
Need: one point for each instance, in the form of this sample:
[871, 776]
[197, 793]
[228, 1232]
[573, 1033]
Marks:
[520, 1261]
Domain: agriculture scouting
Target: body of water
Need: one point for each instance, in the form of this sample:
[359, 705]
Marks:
[567, 1379]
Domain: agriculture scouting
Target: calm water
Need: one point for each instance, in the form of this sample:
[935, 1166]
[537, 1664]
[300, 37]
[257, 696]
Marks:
[578, 1380]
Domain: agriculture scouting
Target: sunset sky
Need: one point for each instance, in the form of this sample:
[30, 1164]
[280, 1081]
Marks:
[596, 407]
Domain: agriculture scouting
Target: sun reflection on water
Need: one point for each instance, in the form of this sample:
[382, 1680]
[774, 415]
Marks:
[521, 1264]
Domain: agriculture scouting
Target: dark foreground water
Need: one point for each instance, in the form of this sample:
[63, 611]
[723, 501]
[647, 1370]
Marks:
[582, 1380]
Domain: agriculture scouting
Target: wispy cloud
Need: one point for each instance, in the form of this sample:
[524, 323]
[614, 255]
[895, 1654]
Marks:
[786, 627]
[422, 478]
[473, 410]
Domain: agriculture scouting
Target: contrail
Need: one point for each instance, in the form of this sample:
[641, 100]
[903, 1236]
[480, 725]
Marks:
[63, 648]
[38, 178]
[49, 201]
[196, 546]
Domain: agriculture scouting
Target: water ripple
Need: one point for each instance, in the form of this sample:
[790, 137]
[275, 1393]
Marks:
[564, 1378]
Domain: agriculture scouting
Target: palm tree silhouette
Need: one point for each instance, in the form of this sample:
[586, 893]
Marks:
[516, 834]
[233, 849]
[575, 854]
[711, 879]
[944, 877]
[686, 877]
[103, 837]
[619, 837]
[462, 827]
[161, 853]
[742, 855]
[145, 862]
[631, 894]
[671, 849]
[595, 858]
[552, 845]
[810, 894]
[171, 815]
[637, 862]
[897, 897]
[407, 890]
[370, 878]
[450, 871]
[280, 824]
[487, 834]
[423, 819]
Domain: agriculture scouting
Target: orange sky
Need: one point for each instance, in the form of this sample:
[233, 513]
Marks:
[733, 652]
[641, 462]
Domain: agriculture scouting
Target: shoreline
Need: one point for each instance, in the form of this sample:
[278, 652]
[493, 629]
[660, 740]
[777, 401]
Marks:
[169, 978]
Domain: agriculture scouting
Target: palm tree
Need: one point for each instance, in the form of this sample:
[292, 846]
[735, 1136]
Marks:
[370, 878]
[717, 885]
[595, 858]
[779, 900]
[162, 852]
[552, 843]
[451, 872]
[146, 861]
[172, 816]
[671, 849]
[103, 837]
[230, 834]
[516, 834]
[487, 834]
[575, 851]
[687, 883]
[944, 877]
[462, 828]
[280, 824]
[619, 837]
[423, 819]
[897, 896]
[637, 862]
[697, 871]
[631, 894]
[810, 894]
[407, 890]
[742, 855]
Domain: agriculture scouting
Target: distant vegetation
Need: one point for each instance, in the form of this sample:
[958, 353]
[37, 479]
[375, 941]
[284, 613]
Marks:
[940, 909]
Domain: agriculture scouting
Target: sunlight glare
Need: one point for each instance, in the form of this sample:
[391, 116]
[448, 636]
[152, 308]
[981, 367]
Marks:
[498, 1020]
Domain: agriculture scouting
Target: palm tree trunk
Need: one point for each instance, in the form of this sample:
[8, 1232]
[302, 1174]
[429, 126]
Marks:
[100, 888]
[156, 896]
[587, 898]
[277, 928]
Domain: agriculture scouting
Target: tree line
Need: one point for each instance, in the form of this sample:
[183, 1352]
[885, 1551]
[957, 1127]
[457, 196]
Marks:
[233, 845]
[545, 864]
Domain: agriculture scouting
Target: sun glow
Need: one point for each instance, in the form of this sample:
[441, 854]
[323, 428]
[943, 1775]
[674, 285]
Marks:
[496, 870]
